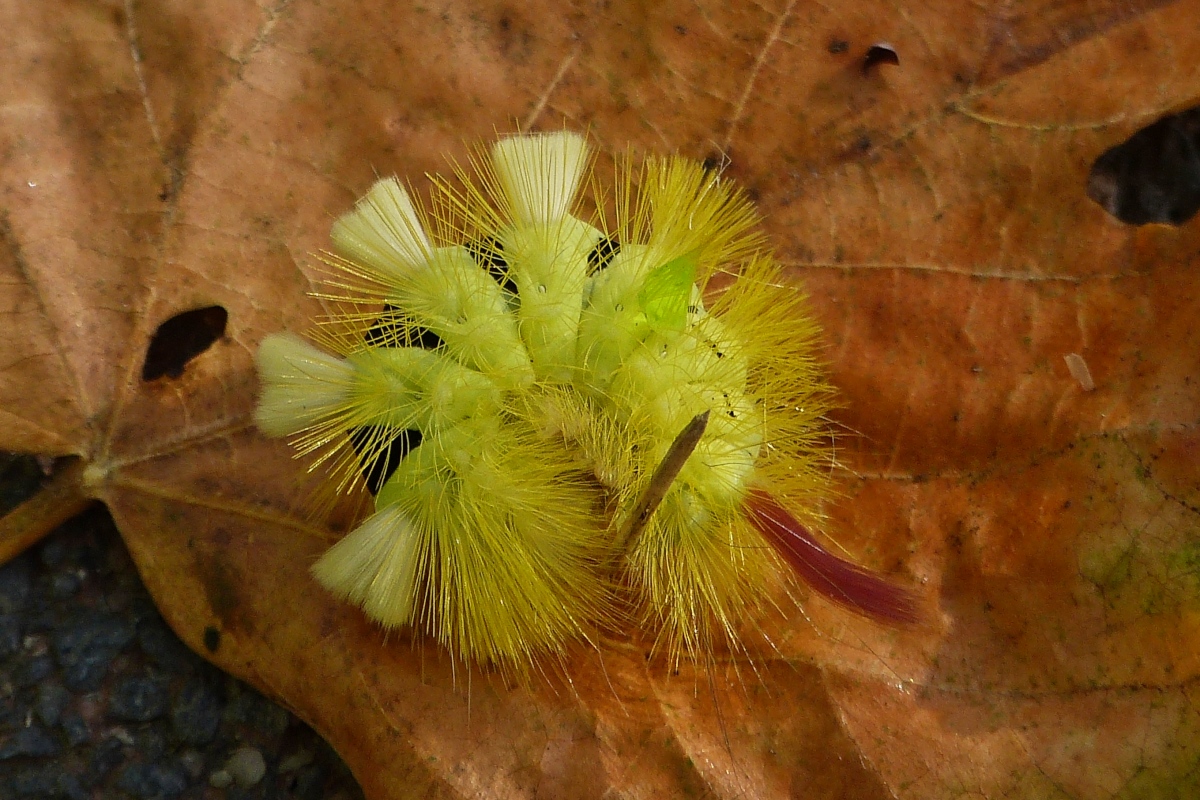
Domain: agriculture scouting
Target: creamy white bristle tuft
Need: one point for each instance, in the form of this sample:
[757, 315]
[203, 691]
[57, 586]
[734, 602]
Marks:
[539, 174]
[375, 566]
[383, 231]
[301, 384]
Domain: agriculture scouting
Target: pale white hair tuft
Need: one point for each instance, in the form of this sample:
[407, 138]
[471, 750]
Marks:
[383, 231]
[302, 385]
[540, 173]
[375, 566]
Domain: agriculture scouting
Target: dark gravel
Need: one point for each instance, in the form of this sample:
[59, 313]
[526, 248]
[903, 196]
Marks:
[99, 699]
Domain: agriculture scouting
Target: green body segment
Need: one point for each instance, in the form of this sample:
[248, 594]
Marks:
[455, 299]
[612, 322]
[406, 388]
[548, 263]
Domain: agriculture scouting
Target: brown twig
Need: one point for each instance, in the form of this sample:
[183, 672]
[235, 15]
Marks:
[666, 473]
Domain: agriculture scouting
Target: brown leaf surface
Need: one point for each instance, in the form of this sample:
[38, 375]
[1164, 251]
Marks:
[165, 156]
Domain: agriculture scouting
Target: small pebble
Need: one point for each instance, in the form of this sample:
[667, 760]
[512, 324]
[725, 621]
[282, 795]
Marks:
[53, 551]
[193, 762]
[87, 648]
[247, 766]
[32, 741]
[150, 742]
[221, 779]
[76, 729]
[14, 585]
[64, 584]
[47, 780]
[138, 698]
[123, 736]
[295, 761]
[51, 702]
[151, 781]
[10, 635]
[252, 709]
[32, 671]
[12, 716]
[106, 756]
[35, 645]
[196, 712]
[91, 707]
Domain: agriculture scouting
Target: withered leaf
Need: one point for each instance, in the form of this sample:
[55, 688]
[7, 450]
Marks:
[164, 158]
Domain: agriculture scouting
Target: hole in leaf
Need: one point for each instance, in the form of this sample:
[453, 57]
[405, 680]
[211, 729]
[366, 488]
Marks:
[394, 328]
[1154, 175]
[20, 478]
[882, 53]
[180, 339]
[379, 468]
[602, 253]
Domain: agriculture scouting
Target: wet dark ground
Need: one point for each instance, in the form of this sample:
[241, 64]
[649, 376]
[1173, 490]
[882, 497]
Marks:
[100, 699]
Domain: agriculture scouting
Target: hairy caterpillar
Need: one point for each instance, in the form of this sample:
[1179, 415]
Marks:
[589, 426]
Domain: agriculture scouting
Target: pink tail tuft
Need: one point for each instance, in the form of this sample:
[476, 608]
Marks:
[838, 579]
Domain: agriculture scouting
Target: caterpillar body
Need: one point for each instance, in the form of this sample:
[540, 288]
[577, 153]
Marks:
[579, 423]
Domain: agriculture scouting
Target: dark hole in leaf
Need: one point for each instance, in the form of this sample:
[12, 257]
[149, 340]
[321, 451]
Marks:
[488, 254]
[20, 478]
[882, 53]
[180, 339]
[377, 469]
[716, 162]
[212, 639]
[1154, 175]
[394, 328]
[602, 253]
[838, 46]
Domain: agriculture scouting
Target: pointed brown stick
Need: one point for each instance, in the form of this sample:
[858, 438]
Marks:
[841, 581]
[666, 473]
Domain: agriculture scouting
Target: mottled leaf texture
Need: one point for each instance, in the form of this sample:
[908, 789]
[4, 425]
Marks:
[161, 157]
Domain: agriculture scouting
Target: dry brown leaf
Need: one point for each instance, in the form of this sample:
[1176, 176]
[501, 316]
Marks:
[160, 157]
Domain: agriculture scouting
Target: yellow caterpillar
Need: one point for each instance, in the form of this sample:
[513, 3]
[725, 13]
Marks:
[579, 419]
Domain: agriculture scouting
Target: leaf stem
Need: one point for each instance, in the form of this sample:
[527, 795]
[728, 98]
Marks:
[59, 499]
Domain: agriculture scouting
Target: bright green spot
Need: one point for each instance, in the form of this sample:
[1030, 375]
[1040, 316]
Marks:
[667, 291]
